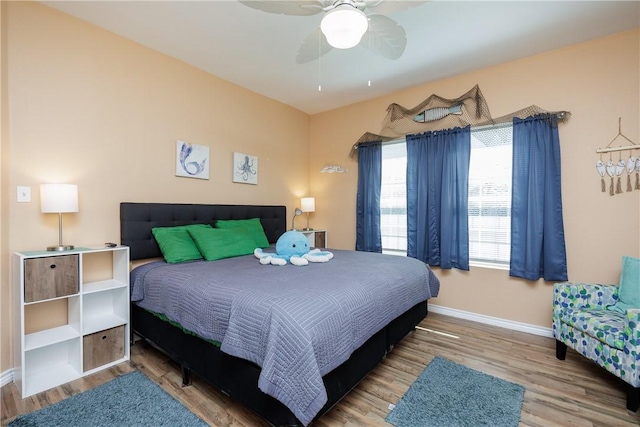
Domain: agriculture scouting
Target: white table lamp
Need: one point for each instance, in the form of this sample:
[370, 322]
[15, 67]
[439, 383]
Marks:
[59, 198]
[308, 204]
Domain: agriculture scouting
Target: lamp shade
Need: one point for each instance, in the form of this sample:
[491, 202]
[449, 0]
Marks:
[344, 26]
[58, 198]
[308, 204]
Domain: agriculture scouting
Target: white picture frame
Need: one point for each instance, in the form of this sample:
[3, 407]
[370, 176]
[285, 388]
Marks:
[192, 160]
[245, 168]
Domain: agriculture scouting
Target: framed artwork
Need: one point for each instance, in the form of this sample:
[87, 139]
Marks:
[245, 168]
[192, 161]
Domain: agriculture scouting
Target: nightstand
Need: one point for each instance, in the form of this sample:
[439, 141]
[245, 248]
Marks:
[91, 286]
[316, 238]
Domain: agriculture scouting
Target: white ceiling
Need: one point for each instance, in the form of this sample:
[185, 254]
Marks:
[257, 50]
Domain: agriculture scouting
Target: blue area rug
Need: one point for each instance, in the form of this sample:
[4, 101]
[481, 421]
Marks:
[129, 400]
[447, 394]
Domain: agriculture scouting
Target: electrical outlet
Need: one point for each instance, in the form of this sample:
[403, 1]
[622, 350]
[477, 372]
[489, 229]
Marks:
[24, 194]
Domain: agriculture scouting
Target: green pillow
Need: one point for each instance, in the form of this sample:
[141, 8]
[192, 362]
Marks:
[629, 289]
[218, 243]
[253, 226]
[176, 244]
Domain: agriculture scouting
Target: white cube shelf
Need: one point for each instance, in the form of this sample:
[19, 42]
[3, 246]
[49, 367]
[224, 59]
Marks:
[53, 354]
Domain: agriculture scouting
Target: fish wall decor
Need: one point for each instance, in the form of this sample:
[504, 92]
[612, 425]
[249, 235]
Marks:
[332, 168]
[616, 170]
[601, 171]
[613, 170]
[631, 165]
[620, 167]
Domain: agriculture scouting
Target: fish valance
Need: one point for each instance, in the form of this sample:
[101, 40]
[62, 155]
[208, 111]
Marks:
[437, 113]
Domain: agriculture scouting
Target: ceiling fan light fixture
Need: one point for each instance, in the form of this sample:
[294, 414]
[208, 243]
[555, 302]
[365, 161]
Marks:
[344, 26]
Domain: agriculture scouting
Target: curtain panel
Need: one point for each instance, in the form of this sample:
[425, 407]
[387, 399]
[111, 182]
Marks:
[368, 235]
[537, 228]
[437, 197]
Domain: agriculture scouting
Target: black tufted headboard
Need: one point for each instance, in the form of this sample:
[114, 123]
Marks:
[137, 220]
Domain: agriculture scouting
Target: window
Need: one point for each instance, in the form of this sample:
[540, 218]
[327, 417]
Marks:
[393, 198]
[489, 197]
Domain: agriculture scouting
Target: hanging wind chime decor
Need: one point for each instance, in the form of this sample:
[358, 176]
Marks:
[615, 170]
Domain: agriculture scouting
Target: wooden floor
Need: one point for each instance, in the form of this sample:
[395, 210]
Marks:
[574, 392]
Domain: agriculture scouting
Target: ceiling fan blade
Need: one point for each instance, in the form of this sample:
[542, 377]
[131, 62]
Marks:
[310, 49]
[387, 7]
[385, 37]
[287, 7]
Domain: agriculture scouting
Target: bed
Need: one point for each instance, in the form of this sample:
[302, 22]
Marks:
[287, 342]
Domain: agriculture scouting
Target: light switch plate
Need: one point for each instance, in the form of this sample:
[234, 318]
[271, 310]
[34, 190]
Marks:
[24, 194]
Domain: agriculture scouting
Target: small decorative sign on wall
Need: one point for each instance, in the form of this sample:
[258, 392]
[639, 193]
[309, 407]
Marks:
[192, 161]
[245, 168]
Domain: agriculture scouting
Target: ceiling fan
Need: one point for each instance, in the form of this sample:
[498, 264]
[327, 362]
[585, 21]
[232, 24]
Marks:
[345, 25]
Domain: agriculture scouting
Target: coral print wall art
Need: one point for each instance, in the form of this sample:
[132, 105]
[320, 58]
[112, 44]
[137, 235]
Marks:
[245, 168]
[192, 161]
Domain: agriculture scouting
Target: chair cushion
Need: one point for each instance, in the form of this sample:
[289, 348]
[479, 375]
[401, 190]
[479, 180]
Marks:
[604, 325]
[629, 289]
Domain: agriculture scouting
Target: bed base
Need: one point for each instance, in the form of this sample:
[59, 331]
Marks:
[233, 376]
[238, 378]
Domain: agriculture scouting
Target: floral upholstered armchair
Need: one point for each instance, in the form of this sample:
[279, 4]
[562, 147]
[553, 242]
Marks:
[602, 322]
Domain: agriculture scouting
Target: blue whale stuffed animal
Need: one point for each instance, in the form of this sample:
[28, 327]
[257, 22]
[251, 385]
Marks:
[292, 247]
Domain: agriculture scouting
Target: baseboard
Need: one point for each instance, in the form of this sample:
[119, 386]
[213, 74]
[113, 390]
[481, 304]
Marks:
[494, 321]
[6, 377]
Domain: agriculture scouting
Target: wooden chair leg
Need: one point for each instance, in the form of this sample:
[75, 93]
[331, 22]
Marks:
[633, 398]
[561, 350]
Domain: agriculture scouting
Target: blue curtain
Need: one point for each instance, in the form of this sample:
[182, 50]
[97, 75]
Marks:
[437, 197]
[368, 236]
[537, 229]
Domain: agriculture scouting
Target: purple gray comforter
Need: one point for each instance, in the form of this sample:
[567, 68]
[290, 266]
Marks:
[297, 323]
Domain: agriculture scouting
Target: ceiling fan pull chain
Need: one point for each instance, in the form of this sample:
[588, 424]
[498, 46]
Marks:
[319, 61]
[369, 52]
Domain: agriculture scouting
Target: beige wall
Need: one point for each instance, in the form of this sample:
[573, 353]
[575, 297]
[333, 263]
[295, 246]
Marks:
[92, 108]
[5, 294]
[89, 107]
[597, 82]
